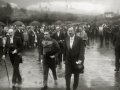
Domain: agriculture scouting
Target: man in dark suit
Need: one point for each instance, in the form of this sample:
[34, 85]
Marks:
[14, 47]
[40, 38]
[116, 43]
[73, 57]
[49, 50]
[1, 37]
[59, 37]
[19, 33]
[31, 37]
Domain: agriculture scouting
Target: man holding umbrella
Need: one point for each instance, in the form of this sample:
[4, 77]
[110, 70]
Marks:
[14, 47]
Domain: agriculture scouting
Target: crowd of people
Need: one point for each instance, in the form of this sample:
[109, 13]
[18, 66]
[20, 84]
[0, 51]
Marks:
[56, 44]
[30, 35]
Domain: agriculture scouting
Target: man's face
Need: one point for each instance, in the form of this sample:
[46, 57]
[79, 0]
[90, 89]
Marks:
[80, 29]
[11, 33]
[57, 29]
[42, 30]
[46, 35]
[71, 32]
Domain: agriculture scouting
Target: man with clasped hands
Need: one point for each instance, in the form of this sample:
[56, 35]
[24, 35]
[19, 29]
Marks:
[49, 50]
[73, 58]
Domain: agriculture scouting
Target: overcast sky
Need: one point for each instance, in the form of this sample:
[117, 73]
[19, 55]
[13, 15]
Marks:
[74, 6]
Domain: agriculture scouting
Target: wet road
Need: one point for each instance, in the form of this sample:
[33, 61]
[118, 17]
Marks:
[99, 72]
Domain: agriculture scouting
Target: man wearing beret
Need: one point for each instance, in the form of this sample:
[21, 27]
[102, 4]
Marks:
[49, 50]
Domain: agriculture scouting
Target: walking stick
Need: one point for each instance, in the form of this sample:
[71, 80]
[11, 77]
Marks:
[50, 75]
[7, 72]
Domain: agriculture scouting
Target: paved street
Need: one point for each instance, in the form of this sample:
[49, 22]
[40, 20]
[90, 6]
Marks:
[99, 72]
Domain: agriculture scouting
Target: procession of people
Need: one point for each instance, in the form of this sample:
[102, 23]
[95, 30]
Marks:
[57, 45]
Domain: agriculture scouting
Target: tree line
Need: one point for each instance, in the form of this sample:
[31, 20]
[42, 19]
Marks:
[10, 15]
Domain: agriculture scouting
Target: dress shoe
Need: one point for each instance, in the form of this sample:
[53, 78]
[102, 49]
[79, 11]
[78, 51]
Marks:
[44, 88]
[117, 70]
[18, 88]
[13, 88]
[20, 82]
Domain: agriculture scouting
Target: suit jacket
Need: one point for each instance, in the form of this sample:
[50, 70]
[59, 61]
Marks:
[1, 36]
[40, 37]
[116, 41]
[16, 42]
[74, 54]
[58, 38]
[49, 48]
[19, 34]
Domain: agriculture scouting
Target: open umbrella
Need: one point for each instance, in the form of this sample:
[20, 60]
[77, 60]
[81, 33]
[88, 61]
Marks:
[18, 23]
[58, 22]
[35, 23]
[68, 22]
[1, 23]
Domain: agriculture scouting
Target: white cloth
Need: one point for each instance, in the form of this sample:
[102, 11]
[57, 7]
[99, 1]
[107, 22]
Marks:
[18, 30]
[101, 30]
[11, 40]
[71, 41]
[58, 33]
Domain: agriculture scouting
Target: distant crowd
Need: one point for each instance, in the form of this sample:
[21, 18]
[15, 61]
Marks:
[31, 35]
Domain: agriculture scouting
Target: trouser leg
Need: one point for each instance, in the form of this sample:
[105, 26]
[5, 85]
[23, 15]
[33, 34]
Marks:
[117, 62]
[59, 58]
[68, 73]
[53, 68]
[76, 81]
[16, 73]
[68, 79]
[45, 73]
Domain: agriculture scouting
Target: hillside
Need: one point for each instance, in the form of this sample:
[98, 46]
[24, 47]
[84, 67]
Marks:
[2, 3]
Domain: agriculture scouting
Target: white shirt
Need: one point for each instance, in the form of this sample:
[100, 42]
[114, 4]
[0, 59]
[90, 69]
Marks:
[58, 33]
[18, 30]
[71, 41]
[101, 30]
[11, 40]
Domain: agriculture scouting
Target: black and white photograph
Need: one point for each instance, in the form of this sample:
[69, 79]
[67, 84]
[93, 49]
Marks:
[59, 44]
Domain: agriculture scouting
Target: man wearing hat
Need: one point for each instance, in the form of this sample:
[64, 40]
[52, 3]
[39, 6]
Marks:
[14, 47]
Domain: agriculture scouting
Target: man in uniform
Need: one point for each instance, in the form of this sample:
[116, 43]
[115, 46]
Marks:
[49, 50]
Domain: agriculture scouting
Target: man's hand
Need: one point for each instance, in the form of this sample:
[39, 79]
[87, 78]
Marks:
[79, 62]
[15, 51]
[3, 57]
[41, 61]
[52, 56]
[64, 62]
